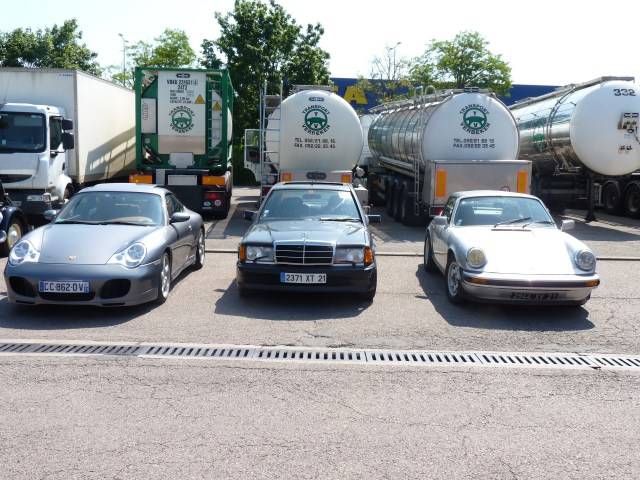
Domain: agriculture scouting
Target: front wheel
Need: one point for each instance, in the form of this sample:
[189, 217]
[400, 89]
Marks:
[164, 279]
[200, 252]
[632, 201]
[428, 263]
[15, 230]
[370, 294]
[453, 281]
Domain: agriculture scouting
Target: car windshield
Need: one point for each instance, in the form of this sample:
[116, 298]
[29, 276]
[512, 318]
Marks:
[22, 132]
[129, 208]
[501, 211]
[310, 204]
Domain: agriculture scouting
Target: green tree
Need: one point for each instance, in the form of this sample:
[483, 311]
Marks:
[261, 42]
[462, 62]
[170, 49]
[55, 47]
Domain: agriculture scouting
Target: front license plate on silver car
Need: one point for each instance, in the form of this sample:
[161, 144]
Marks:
[535, 296]
[67, 286]
[303, 277]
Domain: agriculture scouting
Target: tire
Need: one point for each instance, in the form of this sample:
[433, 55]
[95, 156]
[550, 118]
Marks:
[390, 194]
[15, 231]
[632, 201]
[612, 198]
[429, 264]
[164, 279]
[200, 251]
[369, 296]
[453, 281]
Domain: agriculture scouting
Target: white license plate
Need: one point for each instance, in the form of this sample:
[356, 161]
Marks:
[67, 286]
[541, 297]
[303, 277]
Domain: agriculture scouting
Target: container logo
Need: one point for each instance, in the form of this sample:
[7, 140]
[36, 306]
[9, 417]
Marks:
[181, 119]
[316, 119]
[474, 119]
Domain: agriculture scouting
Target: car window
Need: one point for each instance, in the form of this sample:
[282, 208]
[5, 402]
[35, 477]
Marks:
[113, 207]
[55, 132]
[176, 205]
[310, 204]
[475, 211]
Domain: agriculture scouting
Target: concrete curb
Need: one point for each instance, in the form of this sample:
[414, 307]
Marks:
[415, 254]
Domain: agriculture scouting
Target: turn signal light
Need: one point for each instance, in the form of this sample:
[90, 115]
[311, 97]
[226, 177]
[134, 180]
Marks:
[368, 256]
[137, 178]
[212, 180]
[593, 283]
[478, 281]
[286, 177]
[345, 178]
[242, 253]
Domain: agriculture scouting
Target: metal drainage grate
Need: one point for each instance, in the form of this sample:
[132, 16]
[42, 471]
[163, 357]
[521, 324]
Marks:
[329, 355]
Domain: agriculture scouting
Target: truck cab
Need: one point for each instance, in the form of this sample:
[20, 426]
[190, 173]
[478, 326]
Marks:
[34, 140]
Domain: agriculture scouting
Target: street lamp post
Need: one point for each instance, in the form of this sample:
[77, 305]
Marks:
[124, 59]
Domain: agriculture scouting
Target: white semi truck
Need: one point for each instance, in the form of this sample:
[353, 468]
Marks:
[59, 131]
[425, 148]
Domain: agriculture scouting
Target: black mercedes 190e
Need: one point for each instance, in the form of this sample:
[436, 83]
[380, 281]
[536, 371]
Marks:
[309, 237]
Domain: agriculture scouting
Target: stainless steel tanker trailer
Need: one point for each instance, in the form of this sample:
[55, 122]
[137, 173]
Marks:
[428, 147]
[583, 142]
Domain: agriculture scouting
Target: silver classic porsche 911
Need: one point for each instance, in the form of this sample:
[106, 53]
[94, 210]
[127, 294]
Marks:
[505, 247]
[111, 245]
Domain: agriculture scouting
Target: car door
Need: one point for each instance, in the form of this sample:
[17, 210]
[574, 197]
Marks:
[440, 235]
[184, 230]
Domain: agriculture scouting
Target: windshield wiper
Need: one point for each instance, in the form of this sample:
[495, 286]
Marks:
[338, 219]
[513, 220]
[117, 222]
[74, 222]
[543, 222]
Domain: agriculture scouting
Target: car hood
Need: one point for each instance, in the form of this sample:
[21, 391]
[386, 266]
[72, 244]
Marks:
[531, 251]
[84, 244]
[309, 231]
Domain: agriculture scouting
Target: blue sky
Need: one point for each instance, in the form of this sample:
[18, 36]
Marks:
[546, 42]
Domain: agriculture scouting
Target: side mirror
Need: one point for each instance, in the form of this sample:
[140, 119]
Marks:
[67, 124]
[439, 221]
[3, 236]
[50, 215]
[567, 225]
[249, 215]
[374, 218]
[68, 141]
[179, 217]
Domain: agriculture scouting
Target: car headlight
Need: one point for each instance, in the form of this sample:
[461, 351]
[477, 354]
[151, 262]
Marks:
[130, 257]
[259, 254]
[585, 260]
[349, 255]
[23, 252]
[476, 257]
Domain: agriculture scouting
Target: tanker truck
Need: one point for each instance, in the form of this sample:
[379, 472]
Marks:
[428, 147]
[583, 142]
[311, 135]
[184, 135]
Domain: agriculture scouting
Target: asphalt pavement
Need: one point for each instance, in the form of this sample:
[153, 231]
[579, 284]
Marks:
[151, 418]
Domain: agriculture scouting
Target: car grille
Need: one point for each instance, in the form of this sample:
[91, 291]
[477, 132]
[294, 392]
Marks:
[67, 297]
[304, 254]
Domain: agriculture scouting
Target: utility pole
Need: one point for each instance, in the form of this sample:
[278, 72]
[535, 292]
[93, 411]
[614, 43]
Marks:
[124, 59]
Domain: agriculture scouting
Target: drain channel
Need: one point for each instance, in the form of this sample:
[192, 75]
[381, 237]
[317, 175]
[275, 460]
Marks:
[326, 355]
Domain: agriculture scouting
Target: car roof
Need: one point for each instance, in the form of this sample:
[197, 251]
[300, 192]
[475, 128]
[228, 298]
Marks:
[125, 187]
[490, 193]
[315, 185]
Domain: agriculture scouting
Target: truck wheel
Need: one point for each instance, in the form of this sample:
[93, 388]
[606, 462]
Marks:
[612, 198]
[15, 231]
[632, 201]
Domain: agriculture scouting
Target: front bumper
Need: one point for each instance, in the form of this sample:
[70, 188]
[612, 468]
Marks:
[340, 278]
[529, 289]
[29, 207]
[109, 285]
